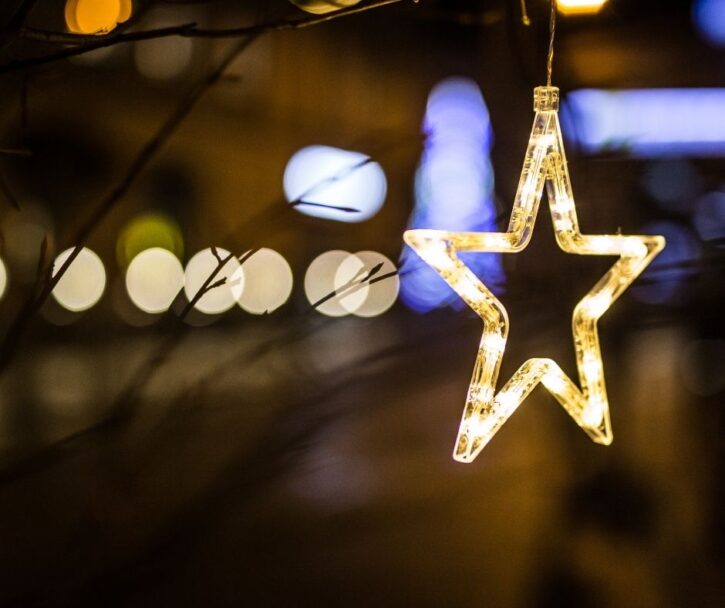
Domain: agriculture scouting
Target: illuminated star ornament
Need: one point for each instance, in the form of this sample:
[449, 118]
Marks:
[486, 411]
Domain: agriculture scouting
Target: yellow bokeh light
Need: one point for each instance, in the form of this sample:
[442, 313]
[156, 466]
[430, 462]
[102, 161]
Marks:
[153, 280]
[82, 285]
[96, 16]
[266, 282]
[3, 279]
[320, 7]
[579, 7]
[544, 166]
[148, 231]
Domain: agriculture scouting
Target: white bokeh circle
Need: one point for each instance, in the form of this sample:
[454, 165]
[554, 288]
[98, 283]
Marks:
[322, 278]
[153, 279]
[82, 285]
[381, 294]
[200, 267]
[266, 282]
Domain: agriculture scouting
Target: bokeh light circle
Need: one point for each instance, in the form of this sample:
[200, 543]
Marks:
[322, 278]
[96, 16]
[329, 177]
[147, 231]
[674, 183]
[580, 7]
[82, 285]
[153, 280]
[3, 279]
[163, 58]
[709, 217]
[381, 295]
[709, 18]
[319, 7]
[200, 267]
[266, 282]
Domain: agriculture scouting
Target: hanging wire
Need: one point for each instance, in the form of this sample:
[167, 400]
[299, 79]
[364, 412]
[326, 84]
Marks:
[552, 33]
[524, 14]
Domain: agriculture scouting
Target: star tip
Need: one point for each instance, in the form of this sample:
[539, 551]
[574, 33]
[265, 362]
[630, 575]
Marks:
[463, 458]
[604, 439]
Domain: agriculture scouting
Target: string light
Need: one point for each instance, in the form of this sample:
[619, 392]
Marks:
[544, 166]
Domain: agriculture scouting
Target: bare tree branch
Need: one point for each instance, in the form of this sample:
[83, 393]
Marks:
[144, 157]
[186, 30]
[40, 294]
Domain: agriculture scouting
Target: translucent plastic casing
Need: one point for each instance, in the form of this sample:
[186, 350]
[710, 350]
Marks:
[486, 411]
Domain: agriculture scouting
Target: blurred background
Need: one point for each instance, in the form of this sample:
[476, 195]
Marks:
[283, 440]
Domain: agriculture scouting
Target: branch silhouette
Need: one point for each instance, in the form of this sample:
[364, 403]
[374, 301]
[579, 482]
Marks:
[87, 43]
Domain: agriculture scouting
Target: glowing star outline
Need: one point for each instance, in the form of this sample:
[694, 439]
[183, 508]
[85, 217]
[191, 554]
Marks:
[486, 411]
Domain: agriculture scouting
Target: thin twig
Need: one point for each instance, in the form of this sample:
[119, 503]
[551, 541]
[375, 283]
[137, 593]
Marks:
[40, 294]
[10, 32]
[186, 30]
[37, 298]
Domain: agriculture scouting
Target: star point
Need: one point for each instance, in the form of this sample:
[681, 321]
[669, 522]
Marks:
[544, 167]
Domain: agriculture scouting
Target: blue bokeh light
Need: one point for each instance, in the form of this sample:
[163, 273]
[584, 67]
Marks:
[709, 217]
[323, 178]
[674, 183]
[453, 189]
[709, 18]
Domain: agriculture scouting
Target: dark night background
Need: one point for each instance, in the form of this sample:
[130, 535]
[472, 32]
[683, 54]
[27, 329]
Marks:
[294, 459]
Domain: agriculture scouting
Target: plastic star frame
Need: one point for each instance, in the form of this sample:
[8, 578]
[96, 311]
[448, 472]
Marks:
[486, 411]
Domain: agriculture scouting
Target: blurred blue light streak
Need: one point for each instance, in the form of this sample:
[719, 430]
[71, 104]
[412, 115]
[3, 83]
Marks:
[453, 189]
[647, 122]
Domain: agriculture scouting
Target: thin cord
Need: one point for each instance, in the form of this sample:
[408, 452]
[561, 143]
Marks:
[552, 33]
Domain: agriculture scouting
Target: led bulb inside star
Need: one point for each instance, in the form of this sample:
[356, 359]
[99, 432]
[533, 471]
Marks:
[597, 305]
[593, 413]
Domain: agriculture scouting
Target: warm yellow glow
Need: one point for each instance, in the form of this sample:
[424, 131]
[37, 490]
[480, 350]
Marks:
[544, 166]
[96, 16]
[199, 269]
[163, 58]
[3, 279]
[82, 285]
[579, 7]
[153, 280]
[320, 7]
[266, 282]
[147, 231]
